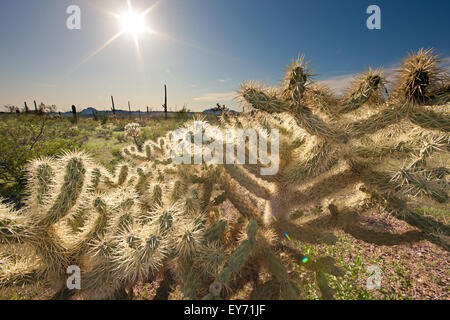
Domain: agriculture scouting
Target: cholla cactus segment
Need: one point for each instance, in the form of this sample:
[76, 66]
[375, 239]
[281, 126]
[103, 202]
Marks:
[98, 229]
[417, 76]
[41, 176]
[297, 76]
[123, 174]
[420, 181]
[70, 190]
[189, 237]
[140, 251]
[212, 256]
[18, 270]
[431, 119]
[15, 227]
[215, 231]
[319, 97]
[237, 260]
[277, 269]
[188, 280]
[368, 87]
[261, 98]
[241, 202]
[133, 130]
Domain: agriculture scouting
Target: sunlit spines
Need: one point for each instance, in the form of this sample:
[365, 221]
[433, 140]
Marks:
[98, 228]
[123, 174]
[40, 176]
[368, 87]
[418, 74]
[139, 250]
[321, 98]
[69, 192]
[15, 227]
[188, 238]
[430, 119]
[261, 98]
[297, 77]
[240, 201]
[258, 187]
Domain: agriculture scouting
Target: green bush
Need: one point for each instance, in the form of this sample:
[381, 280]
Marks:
[25, 138]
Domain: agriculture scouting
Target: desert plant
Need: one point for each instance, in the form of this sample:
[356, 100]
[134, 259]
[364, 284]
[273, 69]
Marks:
[133, 130]
[154, 219]
[24, 138]
[418, 75]
[74, 113]
[368, 87]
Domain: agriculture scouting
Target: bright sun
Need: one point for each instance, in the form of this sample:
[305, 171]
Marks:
[133, 23]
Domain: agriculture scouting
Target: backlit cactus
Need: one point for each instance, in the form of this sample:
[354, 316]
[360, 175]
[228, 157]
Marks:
[212, 228]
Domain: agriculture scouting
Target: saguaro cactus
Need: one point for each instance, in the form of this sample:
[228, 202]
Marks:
[165, 102]
[129, 109]
[113, 108]
[74, 113]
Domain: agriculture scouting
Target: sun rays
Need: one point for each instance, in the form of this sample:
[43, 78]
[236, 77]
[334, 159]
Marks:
[131, 23]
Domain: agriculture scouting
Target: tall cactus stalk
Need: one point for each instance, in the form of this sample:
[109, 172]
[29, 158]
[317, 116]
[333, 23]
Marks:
[74, 113]
[165, 102]
[129, 109]
[113, 108]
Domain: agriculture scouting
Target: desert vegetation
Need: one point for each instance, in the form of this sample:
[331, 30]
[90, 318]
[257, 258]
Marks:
[225, 231]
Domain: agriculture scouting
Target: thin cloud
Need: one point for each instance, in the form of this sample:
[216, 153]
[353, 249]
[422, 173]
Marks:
[214, 97]
[340, 83]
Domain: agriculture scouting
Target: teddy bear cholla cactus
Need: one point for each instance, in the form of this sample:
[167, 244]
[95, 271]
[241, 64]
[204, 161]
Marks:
[133, 130]
[154, 219]
[334, 155]
[321, 160]
[141, 223]
[118, 229]
[78, 214]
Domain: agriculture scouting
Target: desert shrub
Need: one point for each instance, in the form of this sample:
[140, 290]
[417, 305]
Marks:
[25, 138]
[103, 132]
[120, 137]
[133, 130]
[103, 119]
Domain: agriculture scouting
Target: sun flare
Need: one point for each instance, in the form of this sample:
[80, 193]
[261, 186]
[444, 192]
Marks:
[132, 23]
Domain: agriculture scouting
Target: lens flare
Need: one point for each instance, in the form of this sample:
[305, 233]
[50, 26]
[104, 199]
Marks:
[132, 23]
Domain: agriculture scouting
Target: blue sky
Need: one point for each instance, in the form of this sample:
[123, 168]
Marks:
[204, 50]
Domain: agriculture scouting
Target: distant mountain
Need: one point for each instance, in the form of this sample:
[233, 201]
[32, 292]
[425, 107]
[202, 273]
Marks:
[88, 112]
[218, 112]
